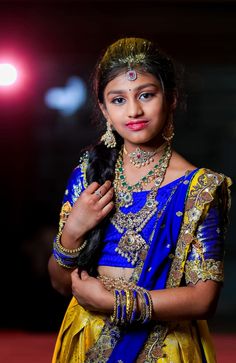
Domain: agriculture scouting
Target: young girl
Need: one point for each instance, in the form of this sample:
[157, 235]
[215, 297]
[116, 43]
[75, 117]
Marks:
[140, 241]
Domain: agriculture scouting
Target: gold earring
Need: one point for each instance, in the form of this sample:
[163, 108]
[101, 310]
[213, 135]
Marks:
[168, 132]
[108, 138]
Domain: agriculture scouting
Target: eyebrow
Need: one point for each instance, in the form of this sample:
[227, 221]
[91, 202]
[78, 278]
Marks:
[115, 92]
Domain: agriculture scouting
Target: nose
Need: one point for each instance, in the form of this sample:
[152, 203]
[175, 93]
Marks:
[134, 109]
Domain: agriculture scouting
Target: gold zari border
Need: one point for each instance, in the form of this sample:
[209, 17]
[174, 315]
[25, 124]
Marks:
[210, 269]
[201, 193]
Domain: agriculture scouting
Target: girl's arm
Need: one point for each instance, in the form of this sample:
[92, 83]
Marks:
[88, 210]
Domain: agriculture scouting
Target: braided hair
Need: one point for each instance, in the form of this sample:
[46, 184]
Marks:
[124, 54]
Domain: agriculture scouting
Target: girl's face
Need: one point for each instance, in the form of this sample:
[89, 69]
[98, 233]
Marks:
[136, 109]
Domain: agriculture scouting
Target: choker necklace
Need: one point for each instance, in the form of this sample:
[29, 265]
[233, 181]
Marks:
[123, 190]
[140, 157]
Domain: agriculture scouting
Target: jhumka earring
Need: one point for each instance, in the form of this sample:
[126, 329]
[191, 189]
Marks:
[108, 138]
[168, 132]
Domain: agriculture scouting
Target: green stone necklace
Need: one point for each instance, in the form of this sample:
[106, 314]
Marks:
[124, 191]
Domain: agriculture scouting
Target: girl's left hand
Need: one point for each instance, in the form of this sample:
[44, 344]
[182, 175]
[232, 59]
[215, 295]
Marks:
[90, 293]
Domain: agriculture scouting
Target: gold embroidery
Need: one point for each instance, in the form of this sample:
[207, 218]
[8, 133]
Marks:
[100, 352]
[153, 347]
[77, 189]
[82, 182]
[202, 191]
[65, 211]
[209, 269]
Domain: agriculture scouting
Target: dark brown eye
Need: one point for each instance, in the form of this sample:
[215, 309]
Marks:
[118, 100]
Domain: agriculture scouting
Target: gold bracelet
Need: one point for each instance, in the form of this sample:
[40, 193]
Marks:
[150, 307]
[142, 305]
[66, 250]
[65, 266]
[129, 304]
[116, 316]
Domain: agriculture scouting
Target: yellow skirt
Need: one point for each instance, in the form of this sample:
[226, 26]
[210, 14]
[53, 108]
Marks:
[80, 330]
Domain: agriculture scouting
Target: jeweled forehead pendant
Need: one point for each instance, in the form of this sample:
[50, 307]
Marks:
[131, 75]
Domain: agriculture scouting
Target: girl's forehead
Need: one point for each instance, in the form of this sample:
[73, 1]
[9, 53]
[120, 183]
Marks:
[123, 82]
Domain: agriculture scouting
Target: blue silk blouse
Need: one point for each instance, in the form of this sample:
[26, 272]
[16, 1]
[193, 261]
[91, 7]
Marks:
[209, 233]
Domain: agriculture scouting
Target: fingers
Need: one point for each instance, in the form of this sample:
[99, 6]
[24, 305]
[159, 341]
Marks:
[84, 275]
[92, 187]
[97, 189]
[99, 192]
[75, 275]
[107, 209]
[103, 189]
[107, 197]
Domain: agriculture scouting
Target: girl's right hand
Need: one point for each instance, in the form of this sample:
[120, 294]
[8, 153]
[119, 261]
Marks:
[89, 210]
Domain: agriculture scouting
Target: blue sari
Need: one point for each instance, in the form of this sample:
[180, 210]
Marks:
[199, 198]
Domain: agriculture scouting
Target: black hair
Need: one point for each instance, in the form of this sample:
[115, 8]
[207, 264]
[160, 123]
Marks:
[124, 54]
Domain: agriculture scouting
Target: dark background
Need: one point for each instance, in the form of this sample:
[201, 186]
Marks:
[39, 148]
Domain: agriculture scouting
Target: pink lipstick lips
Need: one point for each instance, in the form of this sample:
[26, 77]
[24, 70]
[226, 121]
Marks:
[137, 125]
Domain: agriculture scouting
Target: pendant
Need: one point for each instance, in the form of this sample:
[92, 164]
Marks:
[125, 199]
[131, 75]
[130, 246]
[140, 157]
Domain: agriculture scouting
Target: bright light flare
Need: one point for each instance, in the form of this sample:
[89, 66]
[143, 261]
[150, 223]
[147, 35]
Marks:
[8, 74]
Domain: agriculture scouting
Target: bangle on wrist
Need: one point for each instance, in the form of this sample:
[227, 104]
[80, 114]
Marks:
[126, 306]
[66, 250]
[65, 257]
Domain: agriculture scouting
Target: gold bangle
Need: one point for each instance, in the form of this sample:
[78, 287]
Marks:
[65, 266]
[147, 306]
[129, 304]
[66, 250]
[142, 305]
[116, 316]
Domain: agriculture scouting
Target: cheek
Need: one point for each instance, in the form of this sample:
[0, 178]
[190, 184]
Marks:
[115, 114]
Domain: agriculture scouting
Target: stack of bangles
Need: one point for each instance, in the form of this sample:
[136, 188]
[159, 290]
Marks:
[66, 257]
[126, 306]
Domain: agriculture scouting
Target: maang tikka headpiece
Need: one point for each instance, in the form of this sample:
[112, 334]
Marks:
[131, 75]
[132, 61]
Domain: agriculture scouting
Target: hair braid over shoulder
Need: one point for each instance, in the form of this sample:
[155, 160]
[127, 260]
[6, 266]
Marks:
[101, 167]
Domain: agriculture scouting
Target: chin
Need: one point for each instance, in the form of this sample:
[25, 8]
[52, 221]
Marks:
[141, 140]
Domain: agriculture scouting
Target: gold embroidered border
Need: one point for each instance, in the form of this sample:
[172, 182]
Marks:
[202, 190]
[67, 207]
[153, 348]
[209, 269]
[101, 350]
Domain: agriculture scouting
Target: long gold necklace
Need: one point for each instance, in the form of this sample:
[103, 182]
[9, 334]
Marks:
[124, 191]
[132, 243]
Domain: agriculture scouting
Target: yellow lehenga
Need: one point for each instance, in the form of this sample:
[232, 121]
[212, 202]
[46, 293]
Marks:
[80, 330]
[184, 341]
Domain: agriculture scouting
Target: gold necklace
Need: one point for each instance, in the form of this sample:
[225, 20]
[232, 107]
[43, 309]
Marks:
[132, 243]
[124, 191]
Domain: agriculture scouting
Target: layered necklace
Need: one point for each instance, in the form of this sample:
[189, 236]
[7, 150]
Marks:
[124, 191]
[131, 224]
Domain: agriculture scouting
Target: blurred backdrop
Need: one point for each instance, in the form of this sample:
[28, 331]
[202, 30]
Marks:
[46, 119]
